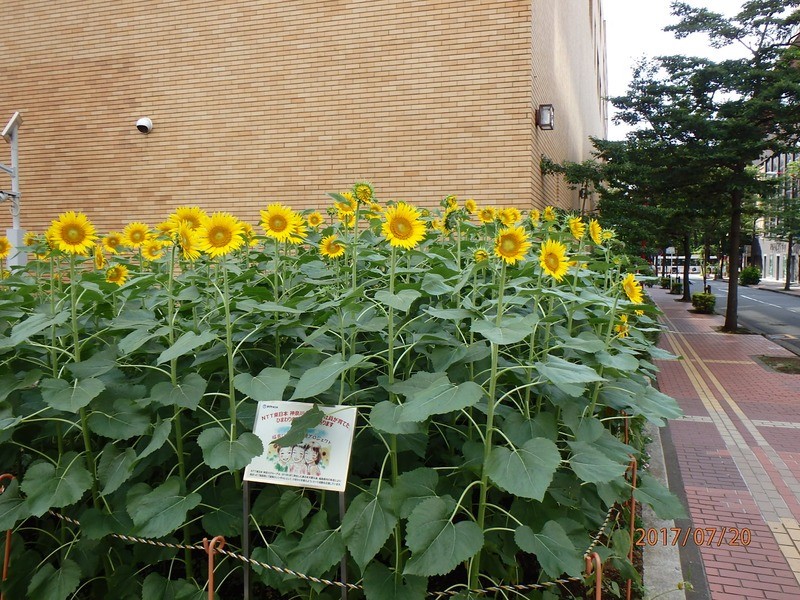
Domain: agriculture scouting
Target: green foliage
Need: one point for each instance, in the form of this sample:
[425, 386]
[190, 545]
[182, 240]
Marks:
[750, 276]
[489, 402]
[704, 303]
[676, 287]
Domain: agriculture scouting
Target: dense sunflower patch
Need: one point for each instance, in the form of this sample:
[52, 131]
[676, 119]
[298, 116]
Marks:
[493, 357]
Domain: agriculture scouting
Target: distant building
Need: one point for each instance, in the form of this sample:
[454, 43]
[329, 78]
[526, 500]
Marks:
[774, 251]
[259, 101]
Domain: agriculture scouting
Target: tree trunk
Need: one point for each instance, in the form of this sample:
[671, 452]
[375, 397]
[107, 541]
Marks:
[687, 259]
[732, 308]
[788, 285]
[664, 262]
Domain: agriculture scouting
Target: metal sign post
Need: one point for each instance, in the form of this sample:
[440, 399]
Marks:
[16, 235]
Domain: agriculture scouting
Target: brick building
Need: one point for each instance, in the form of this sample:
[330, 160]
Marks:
[258, 101]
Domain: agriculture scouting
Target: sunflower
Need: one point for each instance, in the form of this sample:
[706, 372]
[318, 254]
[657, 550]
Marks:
[486, 215]
[633, 288]
[363, 192]
[511, 244]
[375, 208]
[152, 249]
[99, 259]
[5, 246]
[553, 259]
[509, 216]
[72, 232]
[348, 205]
[440, 225]
[298, 229]
[348, 219]
[277, 221]
[220, 234]
[403, 226]
[595, 232]
[471, 206]
[135, 234]
[450, 203]
[480, 255]
[188, 240]
[314, 220]
[194, 216]
[607, 234]
[549, 213]
[576, 227]
[330, 247]
[622, 328]
[249, 234]
[165, 228]
[112, 241]
[117, 274]
[535, 216]
[30, 239]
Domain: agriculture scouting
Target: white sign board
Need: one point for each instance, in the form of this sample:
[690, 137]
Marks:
[320, 461]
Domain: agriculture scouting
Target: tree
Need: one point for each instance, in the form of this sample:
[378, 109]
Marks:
[712, 120]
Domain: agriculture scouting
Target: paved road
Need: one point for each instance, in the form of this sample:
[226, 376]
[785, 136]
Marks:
[775, 315]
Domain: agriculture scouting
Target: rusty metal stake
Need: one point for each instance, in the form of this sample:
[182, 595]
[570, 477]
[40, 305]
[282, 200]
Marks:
[7, 553]
[217, 543]
[633, 468]
[594, 564]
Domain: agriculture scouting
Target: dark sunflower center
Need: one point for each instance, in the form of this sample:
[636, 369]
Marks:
[551, 260]
[278, 223]
[219, 236]
[74, 234]
[401, 228]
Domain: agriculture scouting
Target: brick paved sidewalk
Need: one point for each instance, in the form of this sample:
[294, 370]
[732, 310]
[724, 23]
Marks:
[735, 457]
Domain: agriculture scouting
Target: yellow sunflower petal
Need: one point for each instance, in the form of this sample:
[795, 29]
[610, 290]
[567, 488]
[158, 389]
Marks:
[553, 259]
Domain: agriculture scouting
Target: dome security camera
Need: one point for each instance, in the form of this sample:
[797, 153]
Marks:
[144, 125]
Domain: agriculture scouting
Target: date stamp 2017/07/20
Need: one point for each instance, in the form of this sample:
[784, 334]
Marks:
[699, 536]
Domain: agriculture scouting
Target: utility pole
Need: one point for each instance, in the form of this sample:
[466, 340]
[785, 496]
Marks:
[16, 234]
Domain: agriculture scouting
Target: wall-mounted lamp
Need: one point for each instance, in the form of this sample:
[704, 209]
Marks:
[545, 116]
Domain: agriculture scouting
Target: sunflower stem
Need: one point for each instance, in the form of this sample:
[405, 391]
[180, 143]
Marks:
[475, 567]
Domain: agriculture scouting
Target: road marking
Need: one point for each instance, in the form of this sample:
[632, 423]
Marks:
[761, 302]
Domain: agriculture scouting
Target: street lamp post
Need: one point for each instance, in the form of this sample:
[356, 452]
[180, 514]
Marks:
[16, 234]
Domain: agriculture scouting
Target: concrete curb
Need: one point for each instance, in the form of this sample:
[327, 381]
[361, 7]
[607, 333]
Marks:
[662, 562]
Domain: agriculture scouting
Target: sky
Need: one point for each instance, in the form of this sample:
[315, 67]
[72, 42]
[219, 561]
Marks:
[634, 29]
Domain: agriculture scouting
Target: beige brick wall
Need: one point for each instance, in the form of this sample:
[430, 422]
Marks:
[258, 101]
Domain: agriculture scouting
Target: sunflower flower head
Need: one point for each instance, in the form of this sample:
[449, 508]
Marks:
[99, 259]
[509, 216]
[487, 215]
[117, 274]
[549, 214]
[194, 216]
[5, 246]
[135, 234]
[220, 234]
[299, 230]
[277, 221]
[347, 219]
[112, 242]
[403, 226]
[30, 239]
[535, 216]
[188, 241]
[348, 204]
[471, 206]
[249, 234]
[632, 288]
[607, 234]
[331, 247]
[73, 233]
[576, 227]
[622, 328]
[363, 192]
[511, 244]
[553, 259]
[480, 255]
[152, 249]
[595, 232]
[314, 219]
